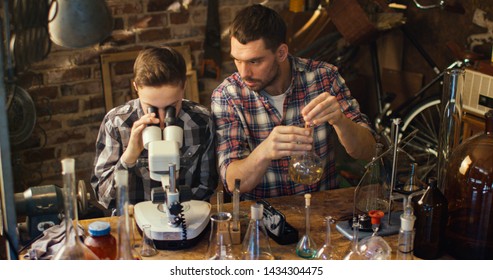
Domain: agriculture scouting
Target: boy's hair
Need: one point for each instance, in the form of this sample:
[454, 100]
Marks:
[160, 66]
[259, 22]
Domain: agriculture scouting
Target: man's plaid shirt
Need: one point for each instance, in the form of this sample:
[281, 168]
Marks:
[244, 118]
[198, 166]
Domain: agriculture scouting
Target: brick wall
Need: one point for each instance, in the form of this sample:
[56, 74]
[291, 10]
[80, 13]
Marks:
[67, 87]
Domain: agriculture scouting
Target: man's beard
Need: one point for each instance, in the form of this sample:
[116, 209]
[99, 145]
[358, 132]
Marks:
[262, 84]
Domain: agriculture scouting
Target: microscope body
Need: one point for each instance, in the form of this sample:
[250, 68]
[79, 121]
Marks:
[171, 204]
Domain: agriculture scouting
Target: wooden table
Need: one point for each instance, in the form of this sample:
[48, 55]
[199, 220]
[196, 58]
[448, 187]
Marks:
[336, 203]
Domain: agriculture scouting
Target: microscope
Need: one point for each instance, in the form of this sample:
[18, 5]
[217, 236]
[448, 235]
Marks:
[177, 221]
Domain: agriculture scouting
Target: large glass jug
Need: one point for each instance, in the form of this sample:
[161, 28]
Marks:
[469, 191]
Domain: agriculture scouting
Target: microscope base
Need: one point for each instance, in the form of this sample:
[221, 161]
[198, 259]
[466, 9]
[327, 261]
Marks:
[197, 217]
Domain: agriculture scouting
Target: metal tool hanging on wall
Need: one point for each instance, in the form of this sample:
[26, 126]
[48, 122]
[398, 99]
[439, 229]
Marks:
[79, 23]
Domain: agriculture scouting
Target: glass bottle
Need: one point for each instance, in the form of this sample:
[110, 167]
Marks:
[468, 189]
[73, 248]
[256, 242]
[327, 251]
[124, 249]
[431, 214]
[412, 184]
[220, 244]
[100, 240]
[405, 245]
[306, 247]
[306, 168]
[372, 192]
[450, 119]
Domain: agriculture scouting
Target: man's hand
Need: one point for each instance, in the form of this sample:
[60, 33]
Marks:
[286, 141]
[324, 108]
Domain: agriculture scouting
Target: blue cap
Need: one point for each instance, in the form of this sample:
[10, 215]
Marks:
[99, 228]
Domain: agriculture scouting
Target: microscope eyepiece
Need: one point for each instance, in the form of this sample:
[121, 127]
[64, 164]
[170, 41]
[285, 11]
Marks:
[170, 115]
[152, 109]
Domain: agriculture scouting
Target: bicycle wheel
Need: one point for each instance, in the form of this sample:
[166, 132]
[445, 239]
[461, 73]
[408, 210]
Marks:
[424, 117]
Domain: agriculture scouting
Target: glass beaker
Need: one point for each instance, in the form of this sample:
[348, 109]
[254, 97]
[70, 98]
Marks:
[220, 243]
[73, 248]
[306, 168]
[306, 247]
[256, 242]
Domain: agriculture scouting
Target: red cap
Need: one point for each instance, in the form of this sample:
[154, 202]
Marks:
[375, 216]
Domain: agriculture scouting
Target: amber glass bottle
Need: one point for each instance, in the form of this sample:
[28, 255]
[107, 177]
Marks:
[431, 219]
[468, 188]
[100, 240]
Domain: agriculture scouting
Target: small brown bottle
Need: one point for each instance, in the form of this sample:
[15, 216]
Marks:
[100, 240]
[431, 219]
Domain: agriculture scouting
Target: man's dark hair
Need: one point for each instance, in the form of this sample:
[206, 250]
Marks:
[157, 66]
[259, 22]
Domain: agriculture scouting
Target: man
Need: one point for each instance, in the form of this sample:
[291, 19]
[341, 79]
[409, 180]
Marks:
[261, 109]
[160, 80]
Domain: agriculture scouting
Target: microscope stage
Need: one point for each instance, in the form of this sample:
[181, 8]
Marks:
[197, 217]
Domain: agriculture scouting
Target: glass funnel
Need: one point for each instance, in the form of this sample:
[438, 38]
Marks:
[73, 248]
[306, 168]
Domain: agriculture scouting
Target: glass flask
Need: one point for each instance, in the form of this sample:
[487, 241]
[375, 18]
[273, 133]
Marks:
[374, 247]
[307, 168]
[73, 248]
[124, 249]
[353, 252]
[327, 251]
[405, 243]
[256, 242]
[306, 247]
[148, 249]
[431, 214]
[468, 189]
[220, 244]
[372, 192]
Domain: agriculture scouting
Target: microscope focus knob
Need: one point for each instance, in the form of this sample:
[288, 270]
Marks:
[158, 196]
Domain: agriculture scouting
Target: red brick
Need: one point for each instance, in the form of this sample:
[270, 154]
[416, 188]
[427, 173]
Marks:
[179, 18]
[147, 21]
[68, 75]
[154, 35]
[65, 106]
[118, 8]
[50, 92]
